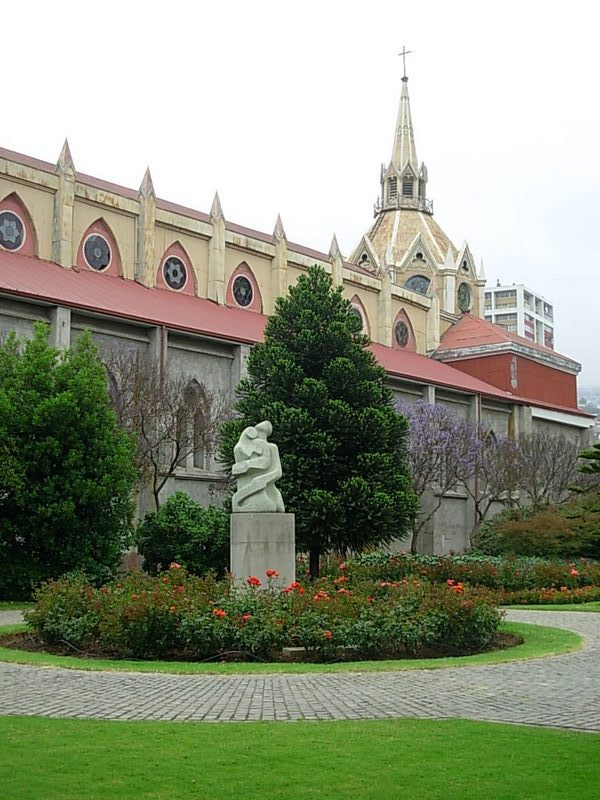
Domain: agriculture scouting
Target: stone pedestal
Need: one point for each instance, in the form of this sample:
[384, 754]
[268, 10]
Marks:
[262, 541]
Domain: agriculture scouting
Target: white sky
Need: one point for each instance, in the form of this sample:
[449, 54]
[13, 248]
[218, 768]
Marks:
[290, 108]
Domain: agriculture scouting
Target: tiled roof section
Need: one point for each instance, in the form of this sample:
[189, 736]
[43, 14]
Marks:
[412, 366]
[471, 331]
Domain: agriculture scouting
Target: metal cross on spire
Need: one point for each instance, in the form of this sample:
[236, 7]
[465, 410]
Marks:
[404, 53]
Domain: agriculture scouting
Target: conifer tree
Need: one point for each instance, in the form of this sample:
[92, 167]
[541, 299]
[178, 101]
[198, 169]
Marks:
[341, 442]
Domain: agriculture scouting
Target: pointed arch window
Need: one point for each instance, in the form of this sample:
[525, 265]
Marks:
[392, 188]
[98, 250]
[197, 416]
[17, 234]
[243, 290]
[407, 186]
[358, 311]
[175, 271]
[403, 336]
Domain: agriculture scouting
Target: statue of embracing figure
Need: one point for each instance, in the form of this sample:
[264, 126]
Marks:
[257, 467]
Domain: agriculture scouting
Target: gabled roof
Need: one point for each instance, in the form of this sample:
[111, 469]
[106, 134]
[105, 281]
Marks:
[471, 336]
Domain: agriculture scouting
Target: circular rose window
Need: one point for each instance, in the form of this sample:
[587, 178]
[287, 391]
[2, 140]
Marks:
[96, 251]
[12, 231]
[175, 273]
[464, 297]
[242, 291]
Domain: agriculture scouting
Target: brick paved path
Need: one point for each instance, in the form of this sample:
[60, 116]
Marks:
[562, 691]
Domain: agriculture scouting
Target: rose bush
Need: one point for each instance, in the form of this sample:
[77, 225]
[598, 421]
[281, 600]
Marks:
[178, 615]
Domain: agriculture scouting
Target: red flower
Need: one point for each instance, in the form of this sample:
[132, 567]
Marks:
[450, 582]
[135, 597]
[294, 585]
[370, 599]
[172, 608]
[174, 565]
[321, 595]
[272, 573]
[328, 635]
[341, 579]
[342, 566]
[218, 612]
[253, 581]
[246, 617]
[180, 589]
[343, 591]
[574, 572]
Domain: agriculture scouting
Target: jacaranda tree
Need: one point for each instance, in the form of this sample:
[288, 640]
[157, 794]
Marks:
[66, 490]
[341, 442]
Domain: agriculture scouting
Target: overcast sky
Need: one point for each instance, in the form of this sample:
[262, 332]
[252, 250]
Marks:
[290, 108]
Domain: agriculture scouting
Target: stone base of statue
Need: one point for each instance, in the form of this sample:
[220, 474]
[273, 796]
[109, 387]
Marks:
[262, 541]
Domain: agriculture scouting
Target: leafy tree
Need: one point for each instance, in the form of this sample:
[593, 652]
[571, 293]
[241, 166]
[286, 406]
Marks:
[66, 492]
[592, 457]
[187, 533]
[171, 417]
[443, 452]
[341, 442]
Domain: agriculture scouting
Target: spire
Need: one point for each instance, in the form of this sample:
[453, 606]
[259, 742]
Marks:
[334, 250]
[146, 187]
[216, 211]
[405, 151]
[279, 232]
[65, 159]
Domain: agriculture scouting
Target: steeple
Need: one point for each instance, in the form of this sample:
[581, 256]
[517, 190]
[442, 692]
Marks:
[404, 151]
[404, 181]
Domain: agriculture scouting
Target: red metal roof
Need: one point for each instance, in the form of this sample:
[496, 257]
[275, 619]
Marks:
[410, 365]
[93, 291]
[85, 289]
[471, 331]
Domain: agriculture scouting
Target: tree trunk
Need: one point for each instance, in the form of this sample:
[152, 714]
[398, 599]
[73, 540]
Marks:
[314, 558]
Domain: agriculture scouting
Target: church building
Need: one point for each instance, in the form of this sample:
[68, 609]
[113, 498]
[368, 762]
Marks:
[192, 291]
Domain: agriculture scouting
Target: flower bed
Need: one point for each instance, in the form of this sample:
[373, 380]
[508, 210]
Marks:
[506, 574]
[176, 615]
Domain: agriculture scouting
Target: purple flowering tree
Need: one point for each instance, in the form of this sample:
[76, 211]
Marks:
[444, 452]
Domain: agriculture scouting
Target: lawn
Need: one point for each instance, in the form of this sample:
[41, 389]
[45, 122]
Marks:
[540, 641]
[560, 607]
[413, 759]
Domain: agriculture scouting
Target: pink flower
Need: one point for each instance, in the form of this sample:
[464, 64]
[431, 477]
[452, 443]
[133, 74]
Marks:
[174, 565]
[574, 572]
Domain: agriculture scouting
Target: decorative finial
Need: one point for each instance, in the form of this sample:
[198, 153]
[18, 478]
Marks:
[404, 53]
[146, 187]
[278, 232]
[216, 211]
[449, 262]
[334, 250]
[65, 159]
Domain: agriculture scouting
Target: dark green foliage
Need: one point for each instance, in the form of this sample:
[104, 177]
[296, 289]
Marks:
[568, 530]
[592, 456]
[66, 488]
[342, 445]
[187, 533]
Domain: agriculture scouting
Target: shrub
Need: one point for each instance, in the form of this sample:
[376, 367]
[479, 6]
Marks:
[179, 615]
[185, 532]
[568, 530]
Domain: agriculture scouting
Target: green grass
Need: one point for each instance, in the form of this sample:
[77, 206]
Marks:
[540, 641]
[595, 606]
[413, 759]
[14, 605]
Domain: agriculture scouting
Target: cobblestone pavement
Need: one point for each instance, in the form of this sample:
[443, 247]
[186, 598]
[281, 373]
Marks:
[562, 691]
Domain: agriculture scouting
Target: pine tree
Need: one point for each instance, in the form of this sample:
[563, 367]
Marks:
[66, 500]
[342, 444]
